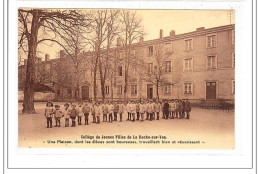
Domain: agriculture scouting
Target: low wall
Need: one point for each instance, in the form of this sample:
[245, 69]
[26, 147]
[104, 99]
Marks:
[38, 96]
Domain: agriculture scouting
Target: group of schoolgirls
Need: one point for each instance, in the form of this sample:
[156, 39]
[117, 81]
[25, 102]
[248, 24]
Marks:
[76, 112]
[151, 109]
[136, 111]
[68, 112]
[176, 109]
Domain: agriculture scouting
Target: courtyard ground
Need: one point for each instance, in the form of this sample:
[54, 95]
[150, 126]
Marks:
[207, 129]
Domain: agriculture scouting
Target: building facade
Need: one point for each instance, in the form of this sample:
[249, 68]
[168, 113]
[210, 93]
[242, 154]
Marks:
[203, 61]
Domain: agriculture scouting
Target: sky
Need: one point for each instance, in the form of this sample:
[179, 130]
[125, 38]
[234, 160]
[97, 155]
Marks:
[182, 21]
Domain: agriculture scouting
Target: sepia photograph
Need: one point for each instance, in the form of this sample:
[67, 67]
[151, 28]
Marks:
[126, 78]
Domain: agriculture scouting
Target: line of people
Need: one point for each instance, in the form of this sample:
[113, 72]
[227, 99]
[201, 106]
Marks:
[136, 111]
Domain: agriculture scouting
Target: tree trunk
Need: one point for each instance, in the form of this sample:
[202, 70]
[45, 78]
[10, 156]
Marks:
[103, 89]
[95, 77]
[28, 102]
[77, 97]
[101, 75]
[112, 88]
[95, 83]
[126, 84]
[157, 90]
[126, 73]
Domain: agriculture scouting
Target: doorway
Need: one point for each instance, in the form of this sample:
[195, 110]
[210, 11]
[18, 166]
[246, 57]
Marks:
[85, 92]
[211, 90]
[149, 91]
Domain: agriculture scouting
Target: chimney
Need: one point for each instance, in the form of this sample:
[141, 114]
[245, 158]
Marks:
[62, 54]
[201, 29]
[141, 40]
[118, 42]
[161, 34]
[25, 62]
[172, 33]
[47, 57]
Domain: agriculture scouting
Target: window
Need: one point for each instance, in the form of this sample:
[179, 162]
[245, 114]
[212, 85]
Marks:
[150, 68]
[233, 37]
[119, 89]
[97, 90]
[211, 41]
[69, 92]
[76, 92]
[85, 74]
[120, 71]
[134, 52]
[133, 89]
[150, 50]
[233, 87]
[134, 70]
[187, 88]
[58, 92]
[168, 47]
[188, 64]
[211, 62]
[233, 60]
[168, 66]
[106, 89]
[189, 44]
[167, 89]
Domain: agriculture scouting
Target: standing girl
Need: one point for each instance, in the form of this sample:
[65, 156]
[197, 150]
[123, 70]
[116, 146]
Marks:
[142, 110]
[110, 109]
[86, 111]
[157, 109]
[57, 114]
[121, 110]
[79, 113]
[98, 112]
[73, 114]
[49, 111]
[105, 111]
[66, 114]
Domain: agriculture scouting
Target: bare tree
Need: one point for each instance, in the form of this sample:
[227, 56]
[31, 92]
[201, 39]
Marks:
[73, 43]
[159, 72]
[104, 29]
[36, 26]
[132, 30]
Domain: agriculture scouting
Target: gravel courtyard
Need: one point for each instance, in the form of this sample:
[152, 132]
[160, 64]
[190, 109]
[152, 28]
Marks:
[207, 129]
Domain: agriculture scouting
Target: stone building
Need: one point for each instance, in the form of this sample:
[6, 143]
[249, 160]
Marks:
[203, 61]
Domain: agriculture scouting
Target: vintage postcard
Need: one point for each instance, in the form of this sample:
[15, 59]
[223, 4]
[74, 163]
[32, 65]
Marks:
[117, 78]
[129, 85]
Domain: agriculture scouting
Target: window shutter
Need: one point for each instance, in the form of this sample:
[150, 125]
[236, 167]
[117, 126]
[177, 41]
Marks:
[183, 68]
[209, 41]
[183, 88]
[192, 64]
[147, 51]
[192, 88]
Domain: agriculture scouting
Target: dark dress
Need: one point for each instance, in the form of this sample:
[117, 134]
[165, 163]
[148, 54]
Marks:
[166, 110]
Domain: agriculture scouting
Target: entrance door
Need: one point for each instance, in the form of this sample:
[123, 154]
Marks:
[211, 90]
[85, 92]
[149, 91]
